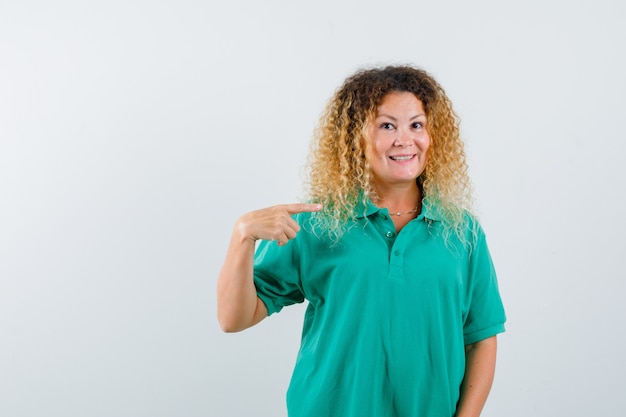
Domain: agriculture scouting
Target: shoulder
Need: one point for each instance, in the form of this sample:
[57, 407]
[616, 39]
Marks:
[459, 228]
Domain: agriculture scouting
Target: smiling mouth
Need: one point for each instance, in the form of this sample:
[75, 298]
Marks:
[402, 158]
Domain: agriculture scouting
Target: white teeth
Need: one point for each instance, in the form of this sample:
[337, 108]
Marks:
[401, 158]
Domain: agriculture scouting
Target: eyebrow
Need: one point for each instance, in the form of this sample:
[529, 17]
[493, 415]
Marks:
[394, 119]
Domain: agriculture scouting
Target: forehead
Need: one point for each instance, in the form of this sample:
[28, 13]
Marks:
[400, 101]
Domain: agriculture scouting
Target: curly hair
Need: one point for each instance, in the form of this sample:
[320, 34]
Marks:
[340, 175]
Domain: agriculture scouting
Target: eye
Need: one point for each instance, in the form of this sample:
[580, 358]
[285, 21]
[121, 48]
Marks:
[417, 125]
[386, 126]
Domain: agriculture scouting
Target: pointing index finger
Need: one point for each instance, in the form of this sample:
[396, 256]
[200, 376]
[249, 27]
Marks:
[302, 207]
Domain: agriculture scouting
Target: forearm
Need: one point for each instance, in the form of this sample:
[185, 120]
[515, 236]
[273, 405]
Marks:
[237, 302]
[480, 363]
[238, 306]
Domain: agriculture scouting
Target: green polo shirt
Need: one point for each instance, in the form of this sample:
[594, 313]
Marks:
[388, 316]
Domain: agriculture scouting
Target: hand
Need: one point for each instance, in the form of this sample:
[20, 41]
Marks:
[274, 223]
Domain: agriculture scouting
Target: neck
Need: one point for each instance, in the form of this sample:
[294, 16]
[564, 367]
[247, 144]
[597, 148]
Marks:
[399, 199]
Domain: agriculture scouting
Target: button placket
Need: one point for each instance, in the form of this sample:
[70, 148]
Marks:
[396, 263]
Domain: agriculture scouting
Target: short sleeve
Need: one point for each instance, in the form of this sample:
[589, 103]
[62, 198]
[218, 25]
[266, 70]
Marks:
[485, 311]
[276, 275]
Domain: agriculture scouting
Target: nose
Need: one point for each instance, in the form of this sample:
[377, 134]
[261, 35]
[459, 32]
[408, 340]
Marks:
[403, 139]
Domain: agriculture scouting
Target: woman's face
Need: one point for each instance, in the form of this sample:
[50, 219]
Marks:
[399, 140]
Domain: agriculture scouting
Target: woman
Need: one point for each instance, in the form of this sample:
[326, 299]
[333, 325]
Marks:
[403, 304]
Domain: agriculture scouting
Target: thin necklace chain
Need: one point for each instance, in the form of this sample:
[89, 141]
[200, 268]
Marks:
[401, 213]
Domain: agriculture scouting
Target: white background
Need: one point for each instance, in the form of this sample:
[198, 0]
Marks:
[134, 133]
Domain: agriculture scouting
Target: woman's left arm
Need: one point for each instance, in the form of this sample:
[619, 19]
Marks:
[480, 365]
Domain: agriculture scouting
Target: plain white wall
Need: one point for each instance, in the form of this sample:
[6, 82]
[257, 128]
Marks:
[134, 133]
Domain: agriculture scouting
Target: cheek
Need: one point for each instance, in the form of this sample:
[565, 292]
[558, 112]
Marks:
[425, 144]
[378, 150]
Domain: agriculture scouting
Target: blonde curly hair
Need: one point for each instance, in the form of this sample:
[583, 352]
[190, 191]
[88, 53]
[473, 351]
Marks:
[340, 175]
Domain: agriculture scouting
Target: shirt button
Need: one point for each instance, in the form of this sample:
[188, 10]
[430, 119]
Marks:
[383, 216]
[396, 253]
[389, 234]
